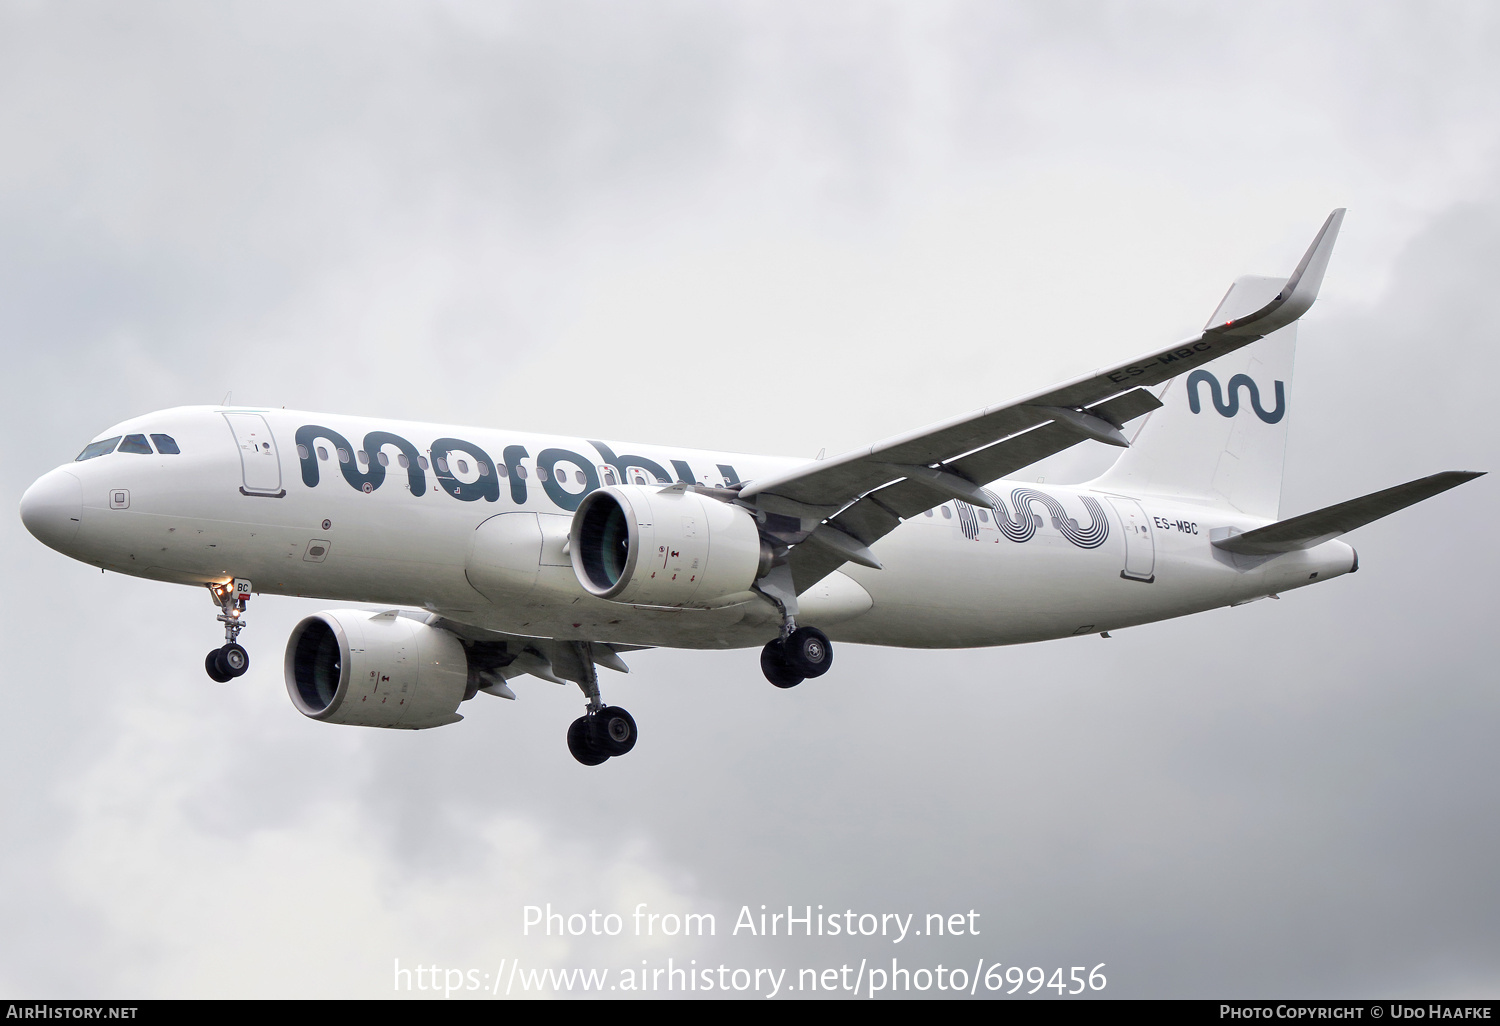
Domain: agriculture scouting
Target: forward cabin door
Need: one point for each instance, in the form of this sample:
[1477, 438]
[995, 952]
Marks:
[258, 459]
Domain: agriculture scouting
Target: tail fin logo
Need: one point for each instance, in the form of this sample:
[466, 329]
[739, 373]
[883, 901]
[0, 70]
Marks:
[1231, 406]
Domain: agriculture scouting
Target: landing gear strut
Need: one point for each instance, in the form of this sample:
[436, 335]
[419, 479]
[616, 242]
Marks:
[231, 660]
[603, 731]
[800, 652]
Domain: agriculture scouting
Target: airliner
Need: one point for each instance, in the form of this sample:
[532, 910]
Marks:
[501, 554]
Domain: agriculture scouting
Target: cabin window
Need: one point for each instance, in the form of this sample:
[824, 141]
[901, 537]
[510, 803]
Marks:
[442, 465]
[422, 462]
[322, 453]
[137, 444]
[402, 461]
[484, 468]
[521, 471]
[102, 448]
[302, 453]
[463, 466]
[502, 470]
[385, 461]
[166, 445]
[984, 515]
[343, 455]
[947, 513]
[607, 474]
[363, 457]
[541, 473]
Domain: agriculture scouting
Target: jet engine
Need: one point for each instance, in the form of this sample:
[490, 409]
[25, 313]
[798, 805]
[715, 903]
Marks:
[385, 670]
[665, 547]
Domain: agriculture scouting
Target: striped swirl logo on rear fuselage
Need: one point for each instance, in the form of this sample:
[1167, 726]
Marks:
[1025, 523]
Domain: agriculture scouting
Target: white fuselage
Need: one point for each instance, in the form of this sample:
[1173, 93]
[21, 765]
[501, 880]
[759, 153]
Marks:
[241, 500]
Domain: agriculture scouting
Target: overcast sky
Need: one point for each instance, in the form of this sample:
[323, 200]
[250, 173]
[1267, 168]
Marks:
[771, 228]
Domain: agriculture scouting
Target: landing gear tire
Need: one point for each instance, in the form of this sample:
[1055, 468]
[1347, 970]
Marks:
[211, 664]
[774, 664]
[233, 660]
[809, 652]
[581, 742]
[614, 730]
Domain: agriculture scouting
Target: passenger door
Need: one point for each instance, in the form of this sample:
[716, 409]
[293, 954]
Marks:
[259, 463]
[1140, 545]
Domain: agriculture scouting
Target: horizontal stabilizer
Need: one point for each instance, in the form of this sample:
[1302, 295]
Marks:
[1322, 525]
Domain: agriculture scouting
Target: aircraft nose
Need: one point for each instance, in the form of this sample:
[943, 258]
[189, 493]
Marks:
[52, 508]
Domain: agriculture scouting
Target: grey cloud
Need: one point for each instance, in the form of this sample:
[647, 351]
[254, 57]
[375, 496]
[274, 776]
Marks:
[1294, 797]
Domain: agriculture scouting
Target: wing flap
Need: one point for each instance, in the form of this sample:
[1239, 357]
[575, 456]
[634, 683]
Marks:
[1309, 529]
[871, 519]
[1124, 408]
[1011, 455]
[513, 655]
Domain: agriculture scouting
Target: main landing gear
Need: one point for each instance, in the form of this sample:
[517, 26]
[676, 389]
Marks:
[603, 731]
[232, 660]
[800, 653]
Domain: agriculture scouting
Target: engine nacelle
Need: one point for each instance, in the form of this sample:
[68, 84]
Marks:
[665, 547]
[380, 670]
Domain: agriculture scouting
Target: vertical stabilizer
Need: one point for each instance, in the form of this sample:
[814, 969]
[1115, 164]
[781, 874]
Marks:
[1220, 435]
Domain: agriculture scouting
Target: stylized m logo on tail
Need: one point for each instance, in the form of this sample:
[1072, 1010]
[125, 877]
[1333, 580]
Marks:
[1230, 406]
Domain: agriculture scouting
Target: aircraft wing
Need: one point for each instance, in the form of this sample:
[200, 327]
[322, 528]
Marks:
[862, 495]
[1322, 525]
[504, 656]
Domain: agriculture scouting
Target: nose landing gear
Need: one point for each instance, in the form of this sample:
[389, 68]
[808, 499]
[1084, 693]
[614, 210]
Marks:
[231, 660]
[227, 663]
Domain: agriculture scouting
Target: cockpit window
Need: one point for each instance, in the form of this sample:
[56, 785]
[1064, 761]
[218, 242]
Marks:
[166, 445]
[98, 449]
[136, 443]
